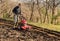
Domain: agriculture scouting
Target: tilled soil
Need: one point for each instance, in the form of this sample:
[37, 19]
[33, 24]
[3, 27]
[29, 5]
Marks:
[9, 34]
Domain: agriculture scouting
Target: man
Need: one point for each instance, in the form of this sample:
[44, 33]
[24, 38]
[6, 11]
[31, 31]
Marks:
[17, 12]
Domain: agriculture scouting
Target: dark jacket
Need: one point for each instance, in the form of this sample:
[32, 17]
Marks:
[17, 10]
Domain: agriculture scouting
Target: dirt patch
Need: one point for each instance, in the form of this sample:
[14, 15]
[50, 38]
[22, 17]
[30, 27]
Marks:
[9, 34]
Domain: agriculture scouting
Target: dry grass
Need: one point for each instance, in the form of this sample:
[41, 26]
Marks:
[44, 25]
[47, 26]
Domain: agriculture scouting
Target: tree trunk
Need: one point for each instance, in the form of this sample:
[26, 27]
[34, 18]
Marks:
[39, 11]
[46, 14]
[53, 11]
[32, 9]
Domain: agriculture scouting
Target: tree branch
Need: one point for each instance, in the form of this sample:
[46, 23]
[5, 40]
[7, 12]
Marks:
[57, 4]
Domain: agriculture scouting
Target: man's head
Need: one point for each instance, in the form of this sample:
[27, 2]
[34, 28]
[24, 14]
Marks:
[19, 4]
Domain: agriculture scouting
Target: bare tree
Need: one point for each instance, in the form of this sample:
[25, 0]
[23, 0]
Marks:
[32, 9]
[46, 13]
[39, 11]
[54, 5]
[5, 8]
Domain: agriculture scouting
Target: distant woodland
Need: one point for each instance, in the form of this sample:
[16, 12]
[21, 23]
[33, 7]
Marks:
[43, 11]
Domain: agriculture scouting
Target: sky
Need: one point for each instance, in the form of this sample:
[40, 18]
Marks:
[22, 0]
